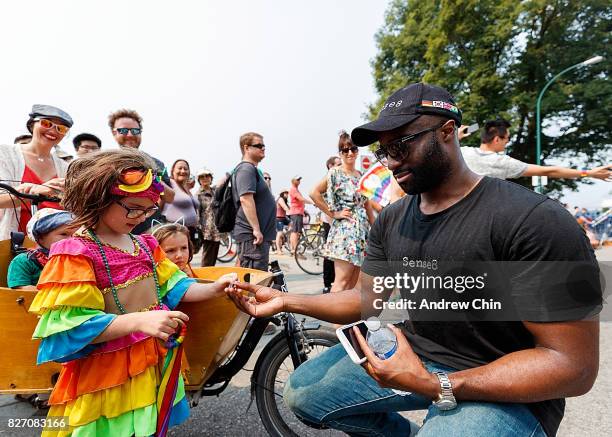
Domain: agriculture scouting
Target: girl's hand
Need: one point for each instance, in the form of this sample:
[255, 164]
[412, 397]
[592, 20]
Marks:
[223, 282]
[344, 214]
[227, 279]
[160, 324]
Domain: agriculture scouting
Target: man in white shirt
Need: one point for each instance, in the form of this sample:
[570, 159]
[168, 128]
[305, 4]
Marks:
[489, 159]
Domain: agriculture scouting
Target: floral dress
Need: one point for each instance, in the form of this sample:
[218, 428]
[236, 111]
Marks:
[347, 238]
[207, 215]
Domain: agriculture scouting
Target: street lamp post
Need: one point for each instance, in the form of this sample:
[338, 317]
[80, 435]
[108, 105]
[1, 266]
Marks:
[591, 61]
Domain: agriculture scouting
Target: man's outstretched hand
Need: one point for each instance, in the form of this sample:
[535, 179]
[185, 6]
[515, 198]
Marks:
[265, 303]
[604, 173]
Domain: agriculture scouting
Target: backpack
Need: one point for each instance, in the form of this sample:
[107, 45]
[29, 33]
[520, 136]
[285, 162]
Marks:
[224, 205]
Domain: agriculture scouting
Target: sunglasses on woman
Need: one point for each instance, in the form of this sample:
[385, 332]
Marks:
[124, 130]
[346, 150]
[134, 213]
[48, 124]
[398, 149]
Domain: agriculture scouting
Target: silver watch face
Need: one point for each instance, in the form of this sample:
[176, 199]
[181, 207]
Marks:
[445, 404]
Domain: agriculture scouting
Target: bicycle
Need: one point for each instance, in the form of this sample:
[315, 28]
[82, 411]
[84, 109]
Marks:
[286, 233]
[218, 347]
[227, 248]
[296, 342]
[309, 252]
[34, 199]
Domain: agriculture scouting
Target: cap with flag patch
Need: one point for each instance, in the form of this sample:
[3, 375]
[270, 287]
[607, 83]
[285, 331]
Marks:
[403, 107]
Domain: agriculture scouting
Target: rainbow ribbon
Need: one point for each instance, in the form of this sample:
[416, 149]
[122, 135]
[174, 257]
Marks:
[375, 182]
[169, 383]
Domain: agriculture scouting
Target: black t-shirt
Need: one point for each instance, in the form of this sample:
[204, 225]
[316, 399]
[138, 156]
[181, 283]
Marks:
[496, 221]
[247, 180]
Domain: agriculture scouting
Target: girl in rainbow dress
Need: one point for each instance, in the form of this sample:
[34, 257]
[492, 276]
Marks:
[106, 303]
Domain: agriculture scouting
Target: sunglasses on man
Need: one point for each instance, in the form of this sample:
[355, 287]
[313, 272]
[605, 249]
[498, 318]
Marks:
[124, 130]
[48, 124]
[398, 150]
[258, 146]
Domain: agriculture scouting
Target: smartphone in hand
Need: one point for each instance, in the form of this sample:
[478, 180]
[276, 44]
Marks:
[349, 341]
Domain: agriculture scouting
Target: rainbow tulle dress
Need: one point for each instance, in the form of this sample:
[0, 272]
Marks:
[111, 388]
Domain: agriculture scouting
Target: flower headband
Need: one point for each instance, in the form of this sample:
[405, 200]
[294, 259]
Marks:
[138, 182]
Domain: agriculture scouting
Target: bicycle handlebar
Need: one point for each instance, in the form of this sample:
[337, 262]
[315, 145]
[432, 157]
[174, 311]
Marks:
[37, 198]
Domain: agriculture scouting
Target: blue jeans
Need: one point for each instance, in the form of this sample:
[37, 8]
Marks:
[333, 391]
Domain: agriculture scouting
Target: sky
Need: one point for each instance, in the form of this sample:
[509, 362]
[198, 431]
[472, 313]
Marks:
[200, 74]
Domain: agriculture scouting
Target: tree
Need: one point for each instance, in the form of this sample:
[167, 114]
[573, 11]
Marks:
[495, 57]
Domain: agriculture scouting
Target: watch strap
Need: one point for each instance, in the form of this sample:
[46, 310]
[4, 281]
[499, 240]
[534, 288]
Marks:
[446, 389]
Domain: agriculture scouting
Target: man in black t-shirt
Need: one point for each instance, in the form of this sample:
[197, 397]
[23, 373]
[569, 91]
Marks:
[506, 376]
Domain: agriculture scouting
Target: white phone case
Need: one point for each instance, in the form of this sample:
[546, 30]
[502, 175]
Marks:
[347, 344]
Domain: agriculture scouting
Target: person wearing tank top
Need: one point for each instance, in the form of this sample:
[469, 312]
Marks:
[185, 206]
[33, 168]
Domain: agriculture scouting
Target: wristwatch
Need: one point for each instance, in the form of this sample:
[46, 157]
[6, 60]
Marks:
[446, 400]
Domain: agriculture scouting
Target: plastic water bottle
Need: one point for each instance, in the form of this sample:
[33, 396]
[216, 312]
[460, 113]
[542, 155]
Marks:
[381, 340]
[383, 343]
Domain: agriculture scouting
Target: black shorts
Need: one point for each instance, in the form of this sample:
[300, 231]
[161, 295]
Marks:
[281, 222]
[297, 222]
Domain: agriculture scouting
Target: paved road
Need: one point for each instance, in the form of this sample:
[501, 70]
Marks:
[227, 414]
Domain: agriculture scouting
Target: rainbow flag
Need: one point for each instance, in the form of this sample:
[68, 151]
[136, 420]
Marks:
[374, 184]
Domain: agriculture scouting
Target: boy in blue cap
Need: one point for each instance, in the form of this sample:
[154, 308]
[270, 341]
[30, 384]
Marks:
[46, 227]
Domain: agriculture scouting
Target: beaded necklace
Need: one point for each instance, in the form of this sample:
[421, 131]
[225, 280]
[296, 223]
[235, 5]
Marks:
[136, 242]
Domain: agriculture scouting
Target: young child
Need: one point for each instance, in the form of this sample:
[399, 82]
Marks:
[46, 227]
[176, 244]
[106, 298]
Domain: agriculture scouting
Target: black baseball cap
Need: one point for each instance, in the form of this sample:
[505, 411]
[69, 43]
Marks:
[403, 107]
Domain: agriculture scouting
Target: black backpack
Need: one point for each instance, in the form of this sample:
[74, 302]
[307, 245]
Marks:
[224, 205]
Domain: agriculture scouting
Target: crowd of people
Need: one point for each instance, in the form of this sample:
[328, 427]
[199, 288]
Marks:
[597, 224]
[36, 165]
[114, 260]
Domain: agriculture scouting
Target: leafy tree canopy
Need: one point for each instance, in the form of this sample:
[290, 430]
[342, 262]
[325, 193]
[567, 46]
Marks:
[496, 56]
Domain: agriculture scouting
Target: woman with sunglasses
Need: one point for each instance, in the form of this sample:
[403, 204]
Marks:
[268, 179]
[33, 168]
[185, 206]
[350, 212]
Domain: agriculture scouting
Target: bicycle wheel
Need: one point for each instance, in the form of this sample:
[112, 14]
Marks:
[309, 256]
[278, 420]
[227, 248]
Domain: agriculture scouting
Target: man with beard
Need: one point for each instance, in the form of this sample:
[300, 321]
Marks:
[506, 377]
[126, 127]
